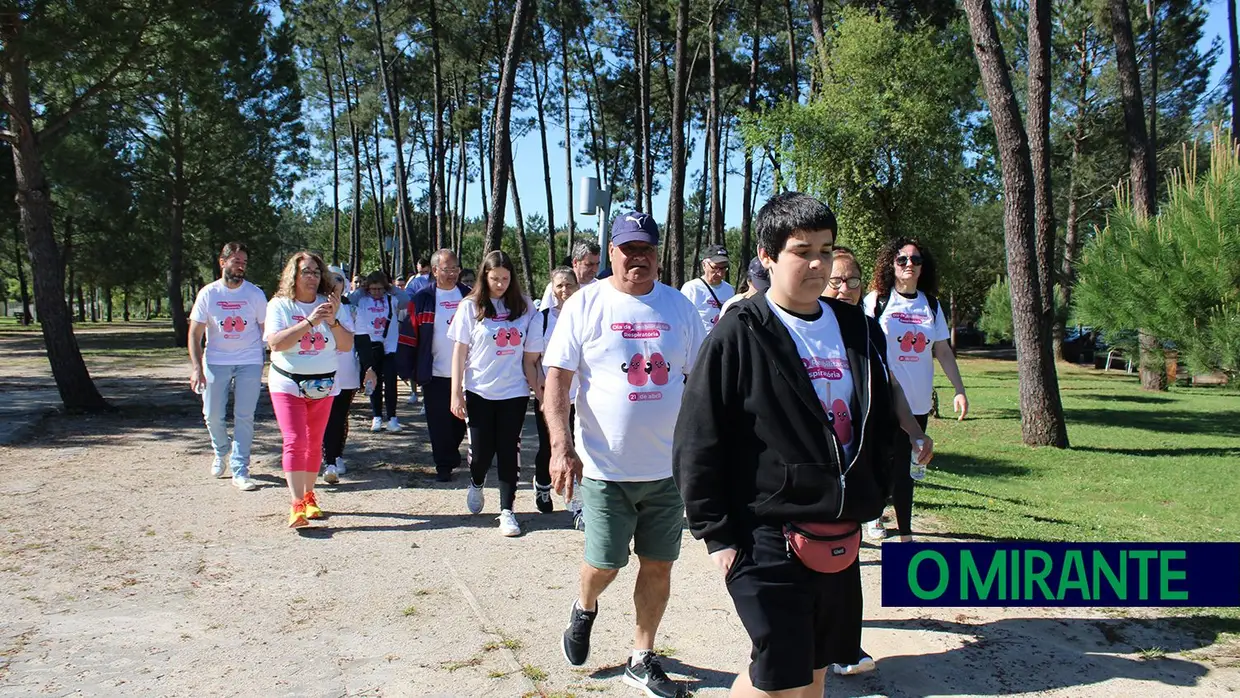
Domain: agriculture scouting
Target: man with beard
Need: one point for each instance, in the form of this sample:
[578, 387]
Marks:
[230, 313]
[630, 341]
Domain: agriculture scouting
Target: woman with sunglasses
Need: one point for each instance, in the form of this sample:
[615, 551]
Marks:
[902, 298]
[304, 332]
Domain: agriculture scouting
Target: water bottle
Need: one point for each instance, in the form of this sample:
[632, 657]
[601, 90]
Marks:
[369, 387]
[200, 388]
[916, 470]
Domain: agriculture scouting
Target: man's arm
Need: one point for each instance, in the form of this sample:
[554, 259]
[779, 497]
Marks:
[566, 466]
[196, 332]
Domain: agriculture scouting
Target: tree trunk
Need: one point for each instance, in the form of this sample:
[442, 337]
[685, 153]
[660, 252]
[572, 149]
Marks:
[568, 136]
[176, 228]
[701, 218]
[482, 161]
[1151, 11]
[125, 304]
[712, 130]
[376, 199]
[1039, 129]
[503, 147]
[391, 87]
[21, 275]
[751, 104]
[527, 269]
[81, 304]
[676, 194]
[1140, 163]
[437, 203]
[647, 198]
[1071, 227]
[356, 253]
[1042, 422]
[820, 37]
[539, 95]
[1234, 41]
[331, 110]
[792, 51]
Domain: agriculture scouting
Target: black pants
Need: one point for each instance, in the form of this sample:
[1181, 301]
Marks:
[495, 433]
[542, 460]
[337, 431]
[446, 431]
[385, 370]
[902, 488]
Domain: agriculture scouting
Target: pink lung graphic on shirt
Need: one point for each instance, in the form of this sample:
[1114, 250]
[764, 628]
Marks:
[313, 341]
[658, 369]
[906, 341]
[514, 337]
[501, 337]
[379, 323]
[842, 421]
[636, 369]
[919, 343]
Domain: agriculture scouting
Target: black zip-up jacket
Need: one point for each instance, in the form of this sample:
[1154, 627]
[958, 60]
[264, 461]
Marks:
[753, 444]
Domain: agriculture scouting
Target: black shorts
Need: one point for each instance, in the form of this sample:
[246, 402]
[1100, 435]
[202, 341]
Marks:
[799, 620]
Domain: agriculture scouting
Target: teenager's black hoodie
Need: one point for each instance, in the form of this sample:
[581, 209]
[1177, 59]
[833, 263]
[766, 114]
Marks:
[753, 444]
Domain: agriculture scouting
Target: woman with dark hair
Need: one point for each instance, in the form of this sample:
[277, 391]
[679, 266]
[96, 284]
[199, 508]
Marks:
[492, 378]
[902, 299]
[304, 332]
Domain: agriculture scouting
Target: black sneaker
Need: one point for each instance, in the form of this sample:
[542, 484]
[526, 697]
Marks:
[576, 644]
[443, 476]
[651, 679]
[542, 498]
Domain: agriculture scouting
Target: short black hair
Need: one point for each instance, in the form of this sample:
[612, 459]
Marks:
[423, 262]
[233, 248]
[786, 213]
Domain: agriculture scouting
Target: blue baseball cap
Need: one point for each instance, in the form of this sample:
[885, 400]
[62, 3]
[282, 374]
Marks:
[759, 277]
[634, 226]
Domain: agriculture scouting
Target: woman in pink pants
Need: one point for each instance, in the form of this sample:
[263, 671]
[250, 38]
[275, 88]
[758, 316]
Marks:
[304, 332]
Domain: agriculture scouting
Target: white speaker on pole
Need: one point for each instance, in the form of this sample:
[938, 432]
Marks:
[587, 198]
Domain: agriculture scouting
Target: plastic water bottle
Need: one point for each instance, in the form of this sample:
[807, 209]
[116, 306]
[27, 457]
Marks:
[916, 470]
[200, 388]
[369, 386]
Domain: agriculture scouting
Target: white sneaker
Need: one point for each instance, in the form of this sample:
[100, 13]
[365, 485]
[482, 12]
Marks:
[244, 483]
[508, 524]
[413, 399]
[218, 466]
[340, 469]
[866, 663]
[874, 530]
[376, 424]
[330, 476]
[393, 425]
[474, 499]
[422, 409]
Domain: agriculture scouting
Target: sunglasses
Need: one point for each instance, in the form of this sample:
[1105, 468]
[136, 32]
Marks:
[838, 281]
[904, 260]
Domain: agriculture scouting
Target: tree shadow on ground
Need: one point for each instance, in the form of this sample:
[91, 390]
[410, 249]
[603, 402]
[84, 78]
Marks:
[1222, 451]
[976, 466]
[698, 678]
[1137, 399]
[1034, 654]
[343, 521]
[1221, 423]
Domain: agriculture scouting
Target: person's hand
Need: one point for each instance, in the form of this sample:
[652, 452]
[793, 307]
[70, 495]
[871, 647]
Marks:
[197, 381]
[927, 449]
[321, 313]
[539, 394]
[566, 470]
[960, 405]
[724, 559]
[458, 406]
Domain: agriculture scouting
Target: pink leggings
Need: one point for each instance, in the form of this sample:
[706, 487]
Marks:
[302, 421]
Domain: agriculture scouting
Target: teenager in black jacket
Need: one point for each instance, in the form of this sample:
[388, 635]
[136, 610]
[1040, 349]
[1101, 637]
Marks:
[787, 418]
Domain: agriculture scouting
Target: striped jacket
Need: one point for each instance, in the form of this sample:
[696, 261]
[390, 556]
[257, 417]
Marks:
[417, 331]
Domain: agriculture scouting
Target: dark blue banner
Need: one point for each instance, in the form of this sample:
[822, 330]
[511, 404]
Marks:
[1061, 574]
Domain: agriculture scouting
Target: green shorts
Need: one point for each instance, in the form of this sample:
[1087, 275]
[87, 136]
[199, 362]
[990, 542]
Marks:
[650, 515]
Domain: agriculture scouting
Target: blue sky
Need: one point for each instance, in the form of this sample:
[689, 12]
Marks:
[527, 160]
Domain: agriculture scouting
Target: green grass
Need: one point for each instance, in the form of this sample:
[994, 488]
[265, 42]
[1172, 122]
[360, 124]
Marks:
[1142, 466]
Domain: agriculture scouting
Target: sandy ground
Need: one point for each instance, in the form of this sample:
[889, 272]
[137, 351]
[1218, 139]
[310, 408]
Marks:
[127, 570]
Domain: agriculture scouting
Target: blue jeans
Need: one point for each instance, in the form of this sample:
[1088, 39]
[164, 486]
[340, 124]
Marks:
[246, 382]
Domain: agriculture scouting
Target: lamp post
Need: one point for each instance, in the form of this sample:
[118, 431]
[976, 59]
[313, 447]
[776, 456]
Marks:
[593, 201]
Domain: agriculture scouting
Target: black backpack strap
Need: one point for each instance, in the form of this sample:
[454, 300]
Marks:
[545, 313]
[880, 304]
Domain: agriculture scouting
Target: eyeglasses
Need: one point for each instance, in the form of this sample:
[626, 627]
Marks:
[449, 270]
[311, 272]
[838, 281]
[905, 260]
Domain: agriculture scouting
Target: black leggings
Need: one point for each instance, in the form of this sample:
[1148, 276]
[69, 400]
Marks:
[495, 433]
[542, 460]
[337, 431]
[385, 369]
[902, 488]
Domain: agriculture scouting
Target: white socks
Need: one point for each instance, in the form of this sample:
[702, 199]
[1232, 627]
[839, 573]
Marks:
[638, 656]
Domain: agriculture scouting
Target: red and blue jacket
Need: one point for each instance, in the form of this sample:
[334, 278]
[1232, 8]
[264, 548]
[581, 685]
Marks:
[417, 331]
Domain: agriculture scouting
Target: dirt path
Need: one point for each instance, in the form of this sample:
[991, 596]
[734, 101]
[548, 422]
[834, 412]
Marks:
[128, 571]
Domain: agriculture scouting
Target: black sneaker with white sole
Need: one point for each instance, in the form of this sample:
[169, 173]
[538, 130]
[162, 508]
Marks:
[576, 643]
[542, 498]
[651, 679]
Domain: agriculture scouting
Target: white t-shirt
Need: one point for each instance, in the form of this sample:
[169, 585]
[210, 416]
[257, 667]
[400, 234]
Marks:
[730, 303]
[233, 317]
[823, 355]
[494, 368]
[709, 307]
[550, 301]
[314, 353]
[537, 342]
[349, 367]
[374, 316]
[630, 354]
[446, 303]
[911, 334]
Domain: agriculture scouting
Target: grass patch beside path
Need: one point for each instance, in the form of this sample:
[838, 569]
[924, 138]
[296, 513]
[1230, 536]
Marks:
[1141, 467]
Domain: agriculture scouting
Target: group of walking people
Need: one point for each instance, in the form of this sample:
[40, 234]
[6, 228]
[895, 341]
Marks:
[777, 421]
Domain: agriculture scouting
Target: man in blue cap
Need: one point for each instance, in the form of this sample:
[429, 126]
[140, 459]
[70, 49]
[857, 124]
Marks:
[630, 341]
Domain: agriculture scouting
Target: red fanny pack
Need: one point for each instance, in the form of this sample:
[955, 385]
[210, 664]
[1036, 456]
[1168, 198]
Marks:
[827, 547]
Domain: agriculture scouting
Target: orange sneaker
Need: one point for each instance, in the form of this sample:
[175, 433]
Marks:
[312, 506]
[297, 516]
